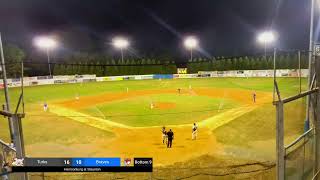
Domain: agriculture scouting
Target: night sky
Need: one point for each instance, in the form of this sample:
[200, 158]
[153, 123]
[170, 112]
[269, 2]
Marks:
[156, 27]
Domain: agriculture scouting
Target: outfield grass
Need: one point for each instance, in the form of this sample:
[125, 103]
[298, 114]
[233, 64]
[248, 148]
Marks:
[34, 94]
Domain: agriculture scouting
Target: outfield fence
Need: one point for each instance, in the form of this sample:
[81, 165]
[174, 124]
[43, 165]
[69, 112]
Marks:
[46, 80]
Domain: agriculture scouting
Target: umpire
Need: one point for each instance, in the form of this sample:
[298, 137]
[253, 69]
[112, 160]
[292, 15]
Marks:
[170, 138]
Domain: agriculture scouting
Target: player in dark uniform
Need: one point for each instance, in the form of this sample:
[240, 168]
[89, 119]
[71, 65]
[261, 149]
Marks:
[170, 138]
[179, 90]
[254, 96]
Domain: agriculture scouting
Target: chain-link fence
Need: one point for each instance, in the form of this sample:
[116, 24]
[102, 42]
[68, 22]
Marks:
[7, 155]
[299, 158]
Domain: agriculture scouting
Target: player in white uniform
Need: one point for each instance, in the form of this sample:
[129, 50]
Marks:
[164, 135]
[194, 131]
[45, 106]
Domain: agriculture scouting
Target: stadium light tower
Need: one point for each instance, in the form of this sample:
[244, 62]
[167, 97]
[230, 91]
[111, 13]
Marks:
[266, 38]
[120, 43]
[46, 43]
[190, 43]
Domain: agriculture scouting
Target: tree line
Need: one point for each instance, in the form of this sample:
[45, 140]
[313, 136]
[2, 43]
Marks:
[153, 66]
[117, 67]
[283, 61]
[102, 65]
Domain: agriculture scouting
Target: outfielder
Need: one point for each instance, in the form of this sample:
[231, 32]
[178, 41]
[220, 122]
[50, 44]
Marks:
[45, 106]
[194, 131]
[254, 96]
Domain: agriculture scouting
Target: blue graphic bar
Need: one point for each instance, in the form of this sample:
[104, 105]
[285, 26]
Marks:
[96, 162]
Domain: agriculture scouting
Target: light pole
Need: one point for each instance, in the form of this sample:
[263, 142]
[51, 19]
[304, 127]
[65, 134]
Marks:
[120, 43]
[311, 42]
[310, 58]
[265, 38]
[190, 43]
[47, 44]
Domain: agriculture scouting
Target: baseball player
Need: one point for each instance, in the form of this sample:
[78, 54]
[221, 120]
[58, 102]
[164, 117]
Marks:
[45, 106]
[164, 135]
[179, 90]
[254, 96]
[194, 131]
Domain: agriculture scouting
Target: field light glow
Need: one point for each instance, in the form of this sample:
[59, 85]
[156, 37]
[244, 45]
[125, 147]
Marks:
[45, 42]
[266, 37]
[190, 42]
[120, 43]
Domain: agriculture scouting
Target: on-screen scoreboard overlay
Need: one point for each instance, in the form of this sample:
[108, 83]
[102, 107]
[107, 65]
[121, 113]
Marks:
[113, 164]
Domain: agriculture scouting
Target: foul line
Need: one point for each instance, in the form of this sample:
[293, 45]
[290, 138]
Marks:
[105, 124]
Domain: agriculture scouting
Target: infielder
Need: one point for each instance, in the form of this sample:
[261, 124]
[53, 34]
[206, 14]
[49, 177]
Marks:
[164, 135]
[194, 131]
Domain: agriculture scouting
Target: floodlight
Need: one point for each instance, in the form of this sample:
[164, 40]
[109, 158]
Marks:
[190, 42]
[266, 37]
[120, 43]
[45, 42]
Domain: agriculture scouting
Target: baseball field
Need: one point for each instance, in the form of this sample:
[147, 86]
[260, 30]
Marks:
[124, 119]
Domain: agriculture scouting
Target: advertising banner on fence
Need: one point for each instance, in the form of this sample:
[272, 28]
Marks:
[163, 76]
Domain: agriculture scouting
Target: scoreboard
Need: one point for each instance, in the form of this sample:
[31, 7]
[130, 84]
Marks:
[182, 70]
[113, 164]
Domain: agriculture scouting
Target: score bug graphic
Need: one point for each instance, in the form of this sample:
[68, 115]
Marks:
[127, 161]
